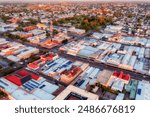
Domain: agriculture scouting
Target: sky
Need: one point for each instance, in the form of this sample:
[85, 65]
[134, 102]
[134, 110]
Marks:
[65, 0]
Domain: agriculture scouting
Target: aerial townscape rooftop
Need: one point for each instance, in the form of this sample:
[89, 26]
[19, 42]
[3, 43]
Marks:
[69, 50]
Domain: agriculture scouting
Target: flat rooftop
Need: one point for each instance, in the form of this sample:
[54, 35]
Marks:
[20, 94]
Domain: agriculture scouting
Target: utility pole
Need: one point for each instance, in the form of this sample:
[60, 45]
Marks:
[51, 30]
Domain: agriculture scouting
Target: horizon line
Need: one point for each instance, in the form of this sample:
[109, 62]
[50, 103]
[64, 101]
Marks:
[58, 1]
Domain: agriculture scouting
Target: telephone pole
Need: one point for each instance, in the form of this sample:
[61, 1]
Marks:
[51, 30]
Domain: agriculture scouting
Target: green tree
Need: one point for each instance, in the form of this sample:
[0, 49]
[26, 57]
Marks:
[5, 18]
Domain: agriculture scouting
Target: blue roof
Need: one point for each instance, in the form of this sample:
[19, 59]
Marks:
[139, 91]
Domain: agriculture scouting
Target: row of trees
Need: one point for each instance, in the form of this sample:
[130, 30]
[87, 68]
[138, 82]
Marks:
[11, 70]
[33, 58]
[5, 18]
[55, 32]
[31, 22]
[8, 35]
[95, 23]
[86, 22]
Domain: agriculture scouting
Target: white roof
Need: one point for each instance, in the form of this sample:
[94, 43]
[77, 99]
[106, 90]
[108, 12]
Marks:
[97, 35]
[28, 51]
[120, 96]
[49, 88]
[138, 65]
[13, 58]
[100, 35]
[20, 94]
[104, 76]
[118, 85]
[7, 86]
[143, 91]
[3, 42]
[132, 60]
[43, 95]
[126, 59]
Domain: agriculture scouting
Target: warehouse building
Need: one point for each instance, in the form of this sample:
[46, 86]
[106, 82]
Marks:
[88, 77]
[118, 80]
[139, 66]
[76, 31]
[143, 91]
[61, 69]
[113, 29]
[104, 77]
[7, 85]
[20, 94]
[147, 53]
[141, 53]
[32, 89]
[115, 59]
[26, 54]
[15, 51]
[43, 59]
[22, 76]
[131, 87]
[87, 51]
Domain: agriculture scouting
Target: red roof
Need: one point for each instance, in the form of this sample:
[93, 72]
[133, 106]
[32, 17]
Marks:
[33, 65]
[34, 76]
[14, 79]
[29, 28]
[121, 75]
[126, 77]
[48, 57]
[116, 74]
[44, 58]
[22, 73]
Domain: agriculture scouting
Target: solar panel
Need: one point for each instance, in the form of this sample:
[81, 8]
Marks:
[35, 86]
[34, 82]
